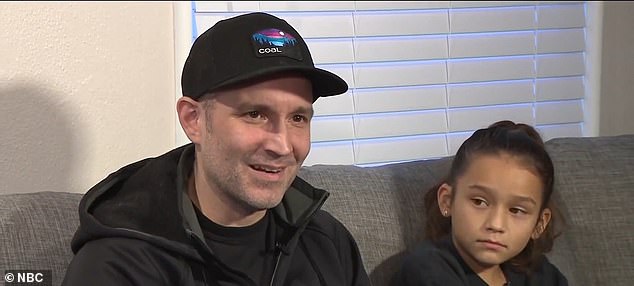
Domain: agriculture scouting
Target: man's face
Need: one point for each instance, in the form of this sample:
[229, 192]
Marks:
[255, 140]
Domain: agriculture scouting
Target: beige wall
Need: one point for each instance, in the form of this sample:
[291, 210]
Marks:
[84, 89]
[617, 69]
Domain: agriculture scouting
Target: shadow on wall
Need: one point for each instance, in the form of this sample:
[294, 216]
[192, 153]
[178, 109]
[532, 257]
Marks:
[38, 139]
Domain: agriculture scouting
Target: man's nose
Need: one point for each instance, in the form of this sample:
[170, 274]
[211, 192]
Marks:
[278, 140]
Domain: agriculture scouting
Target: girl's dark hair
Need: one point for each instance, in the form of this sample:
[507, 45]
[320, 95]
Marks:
[503, 137]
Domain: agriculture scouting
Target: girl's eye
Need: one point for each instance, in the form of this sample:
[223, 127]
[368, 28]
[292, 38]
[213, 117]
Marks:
[478, 202]
[517, 211]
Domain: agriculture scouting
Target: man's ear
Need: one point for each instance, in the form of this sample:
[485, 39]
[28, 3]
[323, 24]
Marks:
[191, 117]
[542, 223]
[444, 195]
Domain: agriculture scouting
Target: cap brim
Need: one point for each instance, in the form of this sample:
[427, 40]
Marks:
[324, 83]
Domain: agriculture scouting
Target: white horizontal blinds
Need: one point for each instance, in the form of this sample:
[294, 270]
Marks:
[524, 63]
[424, 75]
[560, 69]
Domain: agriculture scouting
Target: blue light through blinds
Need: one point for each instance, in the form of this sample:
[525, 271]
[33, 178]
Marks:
[423, 75]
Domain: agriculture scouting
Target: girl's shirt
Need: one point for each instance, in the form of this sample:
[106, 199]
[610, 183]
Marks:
[440, 264]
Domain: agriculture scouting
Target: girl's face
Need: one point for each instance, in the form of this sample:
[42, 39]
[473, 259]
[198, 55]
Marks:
[495, 210]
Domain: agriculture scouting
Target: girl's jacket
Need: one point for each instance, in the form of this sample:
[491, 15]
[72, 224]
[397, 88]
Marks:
[439, 264]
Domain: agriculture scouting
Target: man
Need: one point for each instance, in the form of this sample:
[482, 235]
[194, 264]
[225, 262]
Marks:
[227, 209]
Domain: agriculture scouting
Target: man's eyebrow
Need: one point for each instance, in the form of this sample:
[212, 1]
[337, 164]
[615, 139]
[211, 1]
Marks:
[305, 110]
[488, 190]
[267, 108]
[249, 106]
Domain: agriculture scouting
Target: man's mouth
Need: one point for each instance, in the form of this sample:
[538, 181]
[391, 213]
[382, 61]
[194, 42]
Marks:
[267, 169]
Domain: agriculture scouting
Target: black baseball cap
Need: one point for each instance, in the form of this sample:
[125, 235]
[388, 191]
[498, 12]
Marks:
[247, 47]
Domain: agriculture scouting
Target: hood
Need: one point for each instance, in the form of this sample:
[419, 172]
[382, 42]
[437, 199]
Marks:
[140, 201]
[146, 200]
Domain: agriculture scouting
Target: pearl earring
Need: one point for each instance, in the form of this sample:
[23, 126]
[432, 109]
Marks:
[445, 213]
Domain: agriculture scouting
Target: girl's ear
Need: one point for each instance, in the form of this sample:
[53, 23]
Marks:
[444, 196]
[542, 223]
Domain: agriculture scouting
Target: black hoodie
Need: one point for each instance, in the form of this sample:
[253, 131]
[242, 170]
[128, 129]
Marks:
[138, 227]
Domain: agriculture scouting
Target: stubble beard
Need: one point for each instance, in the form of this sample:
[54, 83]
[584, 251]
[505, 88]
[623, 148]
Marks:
[242, 193]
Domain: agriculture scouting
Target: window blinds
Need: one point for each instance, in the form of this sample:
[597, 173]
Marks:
[424, 75]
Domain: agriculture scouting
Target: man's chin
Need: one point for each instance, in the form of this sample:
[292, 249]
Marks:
[265, 198]
[271, 187]
[264, 204]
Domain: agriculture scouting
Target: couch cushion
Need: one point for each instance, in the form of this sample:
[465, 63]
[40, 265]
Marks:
[594, 183]
[381, 206]
[36, 231]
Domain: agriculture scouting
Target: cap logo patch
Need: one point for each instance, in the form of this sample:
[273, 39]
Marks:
[274, 42]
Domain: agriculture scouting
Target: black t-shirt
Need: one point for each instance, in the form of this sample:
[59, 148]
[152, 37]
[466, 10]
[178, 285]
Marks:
[246, 249]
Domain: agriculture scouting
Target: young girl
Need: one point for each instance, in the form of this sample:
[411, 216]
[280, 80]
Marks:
[493, 219]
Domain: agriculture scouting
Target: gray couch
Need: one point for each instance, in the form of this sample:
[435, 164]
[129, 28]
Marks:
[382, 207]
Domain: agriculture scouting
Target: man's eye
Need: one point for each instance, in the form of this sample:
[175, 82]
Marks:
[254, 114]
[299, 118]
